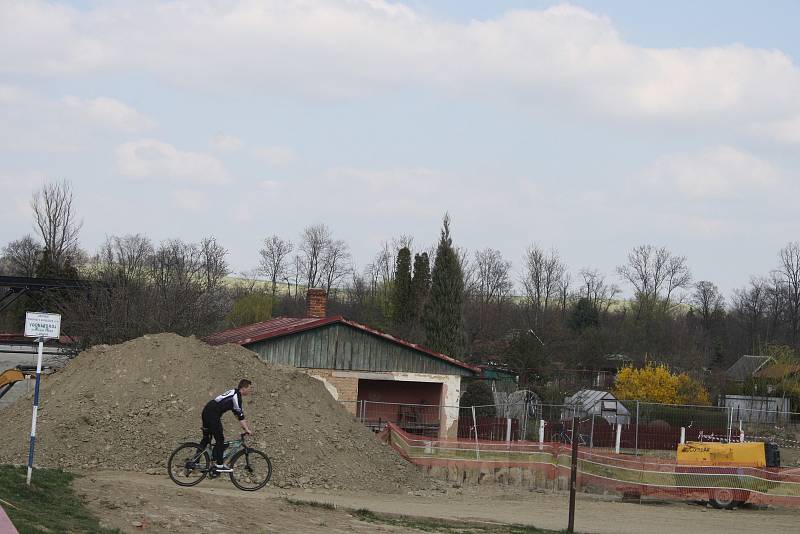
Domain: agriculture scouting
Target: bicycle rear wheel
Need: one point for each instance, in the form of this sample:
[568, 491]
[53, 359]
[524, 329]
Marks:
[252, 469]
[188, 464]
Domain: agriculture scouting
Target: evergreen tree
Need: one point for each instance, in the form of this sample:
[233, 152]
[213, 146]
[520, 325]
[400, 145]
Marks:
[402, 297]
[443, 316]
[46, 268]
[420, 284]
[479, 393]
[584, 315]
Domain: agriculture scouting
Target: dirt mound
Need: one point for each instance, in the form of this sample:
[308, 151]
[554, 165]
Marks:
[127, 406]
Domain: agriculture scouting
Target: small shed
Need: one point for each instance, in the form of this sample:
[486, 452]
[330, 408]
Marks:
[592, 402]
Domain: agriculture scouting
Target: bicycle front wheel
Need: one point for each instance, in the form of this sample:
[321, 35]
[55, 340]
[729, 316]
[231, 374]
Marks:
[252, 469]
[188, 464]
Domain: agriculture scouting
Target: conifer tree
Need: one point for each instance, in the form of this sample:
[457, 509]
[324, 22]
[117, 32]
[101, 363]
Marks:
[420, 284]
[402, 297]
[443, 316]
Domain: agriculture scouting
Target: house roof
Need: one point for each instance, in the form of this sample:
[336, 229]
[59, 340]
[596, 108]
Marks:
[285, 326]
[778, 371]
[746, 366]
[590, 398]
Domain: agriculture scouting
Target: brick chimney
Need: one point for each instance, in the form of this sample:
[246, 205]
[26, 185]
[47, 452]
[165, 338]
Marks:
[316, 303]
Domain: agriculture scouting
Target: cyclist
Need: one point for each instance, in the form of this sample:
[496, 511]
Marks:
[231, 400]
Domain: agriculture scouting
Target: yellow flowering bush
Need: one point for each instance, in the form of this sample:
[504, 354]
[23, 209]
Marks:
[655, 383]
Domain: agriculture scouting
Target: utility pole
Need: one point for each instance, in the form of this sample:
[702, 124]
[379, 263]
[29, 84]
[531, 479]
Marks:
[573, 476]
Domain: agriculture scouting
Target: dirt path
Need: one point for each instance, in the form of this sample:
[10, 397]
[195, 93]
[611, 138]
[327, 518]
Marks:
[122, 499]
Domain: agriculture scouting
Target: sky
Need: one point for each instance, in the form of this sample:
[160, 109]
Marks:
[591, 127]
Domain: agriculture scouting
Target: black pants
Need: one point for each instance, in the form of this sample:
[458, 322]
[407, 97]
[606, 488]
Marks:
[212, 427]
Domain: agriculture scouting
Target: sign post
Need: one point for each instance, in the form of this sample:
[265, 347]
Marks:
[41, 326]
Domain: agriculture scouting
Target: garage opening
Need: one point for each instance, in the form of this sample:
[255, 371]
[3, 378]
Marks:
[413, 406]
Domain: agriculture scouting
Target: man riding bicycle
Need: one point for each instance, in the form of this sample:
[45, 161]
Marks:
[231, 400]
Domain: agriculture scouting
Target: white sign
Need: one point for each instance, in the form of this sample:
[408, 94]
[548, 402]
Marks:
[46, 325]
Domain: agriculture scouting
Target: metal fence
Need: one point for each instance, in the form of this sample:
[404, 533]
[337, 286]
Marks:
[633, 427]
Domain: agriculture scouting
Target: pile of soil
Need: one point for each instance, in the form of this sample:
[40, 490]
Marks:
[127, 406]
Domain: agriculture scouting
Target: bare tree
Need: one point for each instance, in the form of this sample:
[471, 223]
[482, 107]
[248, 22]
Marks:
[22, 255]
[595, 289]
[126, 260]
[492, 276]
[315, 240]
[790, 270]
[750, 303]
[655, 275]
[777, 295]
[56, 221]
[707, 300]
[469, 272]
[273, 259]
[542, 277]
[298, 270]
[335, 263]
[213, 266]
[564, 288]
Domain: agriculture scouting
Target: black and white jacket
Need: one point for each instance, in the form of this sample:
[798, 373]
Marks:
[230, 400]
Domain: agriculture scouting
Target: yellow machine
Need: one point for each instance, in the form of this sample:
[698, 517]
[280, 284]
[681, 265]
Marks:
[8, 378]
[711, 458]
[751, 454]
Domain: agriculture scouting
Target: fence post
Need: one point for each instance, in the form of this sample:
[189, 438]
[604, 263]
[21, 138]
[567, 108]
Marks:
[619, 437]
[591, 435]
[730, 423]
[683, 435]
[508, 429]
[741, 432]
[475, 427]
[637, 428]
[541, 434]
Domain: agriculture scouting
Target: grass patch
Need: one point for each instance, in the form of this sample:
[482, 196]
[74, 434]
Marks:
[48, 505]
[442, 526]
[312, 504]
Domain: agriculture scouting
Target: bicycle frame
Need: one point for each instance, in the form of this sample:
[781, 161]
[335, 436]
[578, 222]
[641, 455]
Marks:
[231, 448]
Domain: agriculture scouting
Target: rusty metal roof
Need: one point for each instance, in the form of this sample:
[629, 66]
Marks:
[284, 326]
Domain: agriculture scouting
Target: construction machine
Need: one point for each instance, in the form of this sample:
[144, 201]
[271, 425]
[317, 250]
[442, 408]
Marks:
[9, 377]
[739, 461]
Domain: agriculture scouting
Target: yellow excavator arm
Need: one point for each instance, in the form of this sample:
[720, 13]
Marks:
[11, 376]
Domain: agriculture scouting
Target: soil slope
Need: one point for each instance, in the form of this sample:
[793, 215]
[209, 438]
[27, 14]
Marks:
[127, 406]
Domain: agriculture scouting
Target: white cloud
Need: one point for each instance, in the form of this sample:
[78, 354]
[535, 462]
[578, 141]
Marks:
[275, 155]
[190, 199]
[17, 188]
[109, 112]
[717, 173]
[268, 185]
[785, 131]
[411, 192]
[226, 143]
[32, 121]
[242, 214]
[150, 157]
[347, 47]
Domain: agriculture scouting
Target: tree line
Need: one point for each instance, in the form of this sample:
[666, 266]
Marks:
[543, 323]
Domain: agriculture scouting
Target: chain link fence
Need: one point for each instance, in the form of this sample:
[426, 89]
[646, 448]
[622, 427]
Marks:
[631, 427]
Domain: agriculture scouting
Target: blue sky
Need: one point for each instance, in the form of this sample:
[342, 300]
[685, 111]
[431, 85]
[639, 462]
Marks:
[592, 127]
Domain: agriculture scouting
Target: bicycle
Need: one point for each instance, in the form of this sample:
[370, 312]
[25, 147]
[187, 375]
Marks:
[565, 436]
[188, 464]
